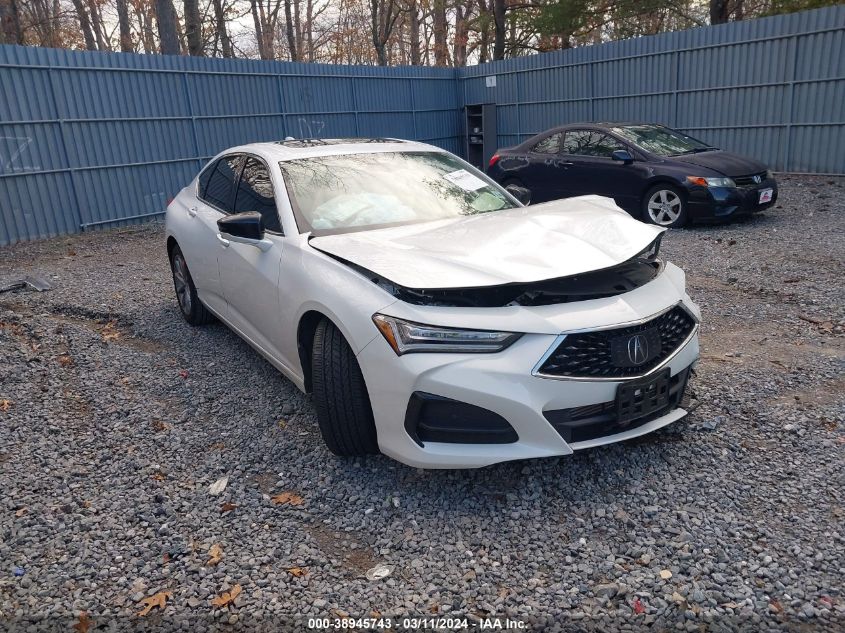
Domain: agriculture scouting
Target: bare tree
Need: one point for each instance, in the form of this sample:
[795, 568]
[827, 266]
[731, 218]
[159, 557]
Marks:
[123, 25]
[10, 21]
[85, 25]
[499, 33]
[193, 28]
[719, 11]
[168, 28]
[222, 31]
[383, 16]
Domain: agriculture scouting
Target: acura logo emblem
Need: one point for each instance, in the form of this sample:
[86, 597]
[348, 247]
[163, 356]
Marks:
[637, 349]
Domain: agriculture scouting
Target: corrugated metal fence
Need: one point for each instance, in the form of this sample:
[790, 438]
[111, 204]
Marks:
[88, 139]
[772, 88]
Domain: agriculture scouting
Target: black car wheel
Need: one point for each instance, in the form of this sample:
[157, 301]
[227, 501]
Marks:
[665, 205]
[512, 183]
[190, 306]
[340, 396]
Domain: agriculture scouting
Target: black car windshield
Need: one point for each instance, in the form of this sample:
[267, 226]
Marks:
[661, 140]
[353, 192]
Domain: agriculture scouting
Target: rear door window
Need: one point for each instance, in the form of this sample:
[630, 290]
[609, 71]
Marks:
[255, 193]
[549, 145]
[590, 143]
[219, 191]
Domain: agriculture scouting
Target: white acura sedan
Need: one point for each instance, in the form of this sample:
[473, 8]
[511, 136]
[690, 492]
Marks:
[431, 315]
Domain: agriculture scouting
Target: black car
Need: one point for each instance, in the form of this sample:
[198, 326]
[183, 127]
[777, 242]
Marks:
[655, 173]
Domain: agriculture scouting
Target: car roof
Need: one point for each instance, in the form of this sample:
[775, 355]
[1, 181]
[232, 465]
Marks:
[291, 149]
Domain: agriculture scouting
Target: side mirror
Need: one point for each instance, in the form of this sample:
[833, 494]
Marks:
[623, 156]
[244, 228]
[520, 193]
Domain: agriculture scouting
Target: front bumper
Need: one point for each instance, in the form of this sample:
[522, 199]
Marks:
[723, 203]
[505, 384]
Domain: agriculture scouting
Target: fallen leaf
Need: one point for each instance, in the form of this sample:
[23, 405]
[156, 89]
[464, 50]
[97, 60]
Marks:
[638, 606]
[21, 512]
[375, 614]
[65, 360]
[183, 373]
[110, 331]
[339, 613]
[218, 486]
[156, 600]
[5, 405]
[434, 608]
[775, 606]
[166, 557]
[159, 426]
[287, 497]
[215, 554]
[228, 507]
[86, 504]
[158, 475]
[297, 571]
[282, 424]
[228, 597]
[83, 623]
[665, 574]
[379, 571]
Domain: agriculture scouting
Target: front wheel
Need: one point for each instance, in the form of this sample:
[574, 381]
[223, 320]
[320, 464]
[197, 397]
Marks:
[664, 205]
[340, 396]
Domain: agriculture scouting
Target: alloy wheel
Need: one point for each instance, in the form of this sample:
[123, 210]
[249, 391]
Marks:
[664, 207]
[180, 281]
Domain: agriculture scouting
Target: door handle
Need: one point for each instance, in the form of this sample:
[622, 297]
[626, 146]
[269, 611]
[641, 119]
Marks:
[192, 211]
[566, 163]
[223, 240]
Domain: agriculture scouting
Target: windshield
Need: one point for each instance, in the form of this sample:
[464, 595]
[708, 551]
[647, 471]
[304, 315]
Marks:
[353, 192]
[661, 140]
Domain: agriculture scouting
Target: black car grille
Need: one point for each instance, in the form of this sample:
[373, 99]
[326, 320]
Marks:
[589, 422]
[588, 354]
[748, 181]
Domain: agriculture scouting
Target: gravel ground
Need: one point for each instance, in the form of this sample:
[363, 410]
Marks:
[117, 417]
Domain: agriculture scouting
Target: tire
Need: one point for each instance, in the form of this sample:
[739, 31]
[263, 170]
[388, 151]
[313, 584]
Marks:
[190, 306]
[340, 396]
[513, 182]
[665, 205]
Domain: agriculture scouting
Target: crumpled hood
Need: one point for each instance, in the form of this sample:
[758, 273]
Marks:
[526, 244]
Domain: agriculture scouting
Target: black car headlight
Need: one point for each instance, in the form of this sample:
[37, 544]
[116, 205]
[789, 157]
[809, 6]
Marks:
[406, 337]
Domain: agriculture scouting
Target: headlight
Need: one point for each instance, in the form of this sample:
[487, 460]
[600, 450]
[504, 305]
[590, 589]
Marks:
[711, 182]
[406, 337]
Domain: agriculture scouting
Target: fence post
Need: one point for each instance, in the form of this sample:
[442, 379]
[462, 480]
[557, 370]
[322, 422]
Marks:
[77, 204]
[190, 104]
[790, 103]
[355, 106]
[283, 106]
[413, 108]
[677, 57]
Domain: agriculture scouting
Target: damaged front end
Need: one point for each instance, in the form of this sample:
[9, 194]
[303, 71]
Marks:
[597, 284]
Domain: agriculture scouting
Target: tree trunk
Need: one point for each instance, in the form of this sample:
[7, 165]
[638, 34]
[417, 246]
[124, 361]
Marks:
[123, 24]
[499, 34]
[309, 30]
[168, 31]
[291, 33]
[459, 46]
[97, 26]
[193, 28]
[10, 23]
[441, 51]
[85, 25]
[415, 34]
[719, 11]
[297, 28]
[222, 32]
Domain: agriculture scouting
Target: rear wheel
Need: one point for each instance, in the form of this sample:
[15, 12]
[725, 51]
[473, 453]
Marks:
[190, 306]
[340, 396]
[664, 205]
[514, 182]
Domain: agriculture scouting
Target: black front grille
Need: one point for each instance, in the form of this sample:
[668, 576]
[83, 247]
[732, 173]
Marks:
[588, 354]
[747, 181]
[589, 422]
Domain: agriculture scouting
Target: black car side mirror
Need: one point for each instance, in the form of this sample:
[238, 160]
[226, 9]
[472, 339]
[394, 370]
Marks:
[623, 156]
[244, 228]
[520, 193]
